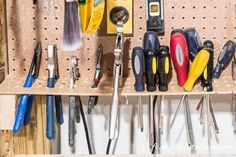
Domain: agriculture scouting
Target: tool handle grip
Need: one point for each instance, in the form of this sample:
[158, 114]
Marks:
[198, 66]
[50, 116]
[179, 55]
[138, 66]
[59, 109]
[207, 76]
[150, 70]
[151, 41]
[22, 105]
[163, 68]
[224, 58]
[193, 42]
[28, 110]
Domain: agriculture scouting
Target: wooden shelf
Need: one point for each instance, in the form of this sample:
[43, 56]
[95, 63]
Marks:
[134, 155]
[13, 86]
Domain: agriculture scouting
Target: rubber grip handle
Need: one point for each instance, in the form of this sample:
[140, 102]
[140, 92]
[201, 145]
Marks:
[28, 110]
[179, 55]
[151, 41]
[50, 128]
[163, 68]
[22, 106]
[50, 117]
[59, 109]
[193, 42]
[207, 74]
[138, 66]
[198, 66]
[225, 57]
[150, 70]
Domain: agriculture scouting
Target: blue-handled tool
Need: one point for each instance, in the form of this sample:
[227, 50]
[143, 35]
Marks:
[26, 101]
[50, 99]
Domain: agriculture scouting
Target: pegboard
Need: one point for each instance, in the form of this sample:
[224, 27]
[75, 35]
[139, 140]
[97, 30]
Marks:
[27, 23]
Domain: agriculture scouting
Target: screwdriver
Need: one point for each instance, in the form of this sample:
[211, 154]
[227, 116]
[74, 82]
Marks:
[197, 68]
[193, 41]
[179, 55]
[163, 69]
[138, 66]
[151, 47]
[206, 77]
[224, 58]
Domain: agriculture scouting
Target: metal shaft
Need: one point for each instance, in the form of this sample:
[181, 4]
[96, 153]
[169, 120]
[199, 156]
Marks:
[71, 121]
[114, 104]
[177, 110]
[151, 122]
[140, 113]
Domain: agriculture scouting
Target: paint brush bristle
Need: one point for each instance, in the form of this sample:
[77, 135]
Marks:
[72, 29]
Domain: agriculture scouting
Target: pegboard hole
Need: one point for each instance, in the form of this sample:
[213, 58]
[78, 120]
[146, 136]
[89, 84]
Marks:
[194, 17]
[14, 69]
[214, 17]
[183, 7]
[67, 69]
[140, 18]
[56, 39]
[13, 59]
[67, 59]
[13, 49]
[183, 17]
[140, 28]
[88, 49]
[214, 27]
[172, 7]
[108, 69]
[46, 59]
[214, 38]
[204, 7]
[88, 69]
[88, 39]
[88, 59]
[33, 7]
[24, 69]
[204, 17]
[56, 28]
[55, 7]
[56, 18]
[194, 7]
[140, 7]
[173, 17]
[45, 28]
[215, 7]
[45, 18]
[225, 27]
[34, 38]
[45, 38]
[140, 38]
[203, 27]
[24, 59]
[34, 28]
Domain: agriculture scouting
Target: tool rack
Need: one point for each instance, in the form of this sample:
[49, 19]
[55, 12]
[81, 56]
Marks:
[26, 24]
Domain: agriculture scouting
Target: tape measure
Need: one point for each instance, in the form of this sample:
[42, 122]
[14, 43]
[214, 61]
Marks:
[91, 15]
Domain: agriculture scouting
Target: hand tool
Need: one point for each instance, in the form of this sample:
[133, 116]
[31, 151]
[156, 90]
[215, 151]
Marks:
[193, 42]
[163, 68]
[151, 121]
[26, 101]
[138, 66]
[234, 112]
[91, 15]
[74, 109]
[119, 11]
[97, 77]
[198, 66]
[188, 123]
[206, 78]
[234, 69]
[151, 47]
[159, 123]
[224, 58]
[179, 55]
[118, 71]
[72, 35]
[52, 76]
[155, 16]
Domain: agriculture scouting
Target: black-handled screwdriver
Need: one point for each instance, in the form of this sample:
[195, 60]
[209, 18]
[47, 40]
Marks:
[151, 48]
[225, 57]
[163, 68]
[138, 66]
[206, 78]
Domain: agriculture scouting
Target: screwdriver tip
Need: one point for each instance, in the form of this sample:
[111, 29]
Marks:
[142, 129]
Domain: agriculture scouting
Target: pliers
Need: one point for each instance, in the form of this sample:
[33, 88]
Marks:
[26, 101]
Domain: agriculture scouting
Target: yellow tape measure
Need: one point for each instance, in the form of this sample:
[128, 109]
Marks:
[91, 15]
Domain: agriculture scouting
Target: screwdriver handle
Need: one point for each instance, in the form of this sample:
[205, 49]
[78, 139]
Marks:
[163, 67]
[225, 57]
[193, 42]
[50, 111]
[59, 109]
[28, 110]
[151, 47]
[197, 68]
[138, 66]
[22, 105]
[207, 76]
[151, 41]
[179, 55]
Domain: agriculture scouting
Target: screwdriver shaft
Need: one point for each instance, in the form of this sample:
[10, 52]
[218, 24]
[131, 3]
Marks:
[140, 114]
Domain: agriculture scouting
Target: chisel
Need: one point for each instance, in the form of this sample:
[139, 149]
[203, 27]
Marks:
[138, 66]
[224, 58]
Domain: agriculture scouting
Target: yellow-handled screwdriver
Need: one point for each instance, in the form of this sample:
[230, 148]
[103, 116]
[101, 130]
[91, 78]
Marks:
[197, 68]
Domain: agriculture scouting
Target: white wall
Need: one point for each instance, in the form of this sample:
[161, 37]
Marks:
[132, 141]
